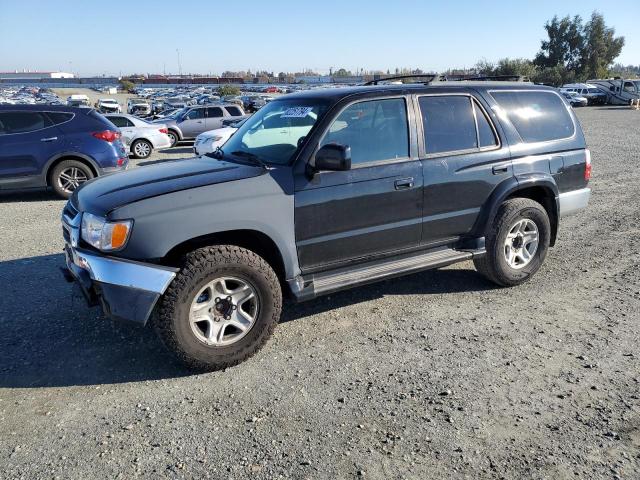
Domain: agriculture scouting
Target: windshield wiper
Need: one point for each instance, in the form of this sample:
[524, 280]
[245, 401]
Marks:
[250, 156]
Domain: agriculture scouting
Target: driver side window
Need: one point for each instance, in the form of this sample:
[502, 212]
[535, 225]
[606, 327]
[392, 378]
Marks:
[375, 130]
[195, 114]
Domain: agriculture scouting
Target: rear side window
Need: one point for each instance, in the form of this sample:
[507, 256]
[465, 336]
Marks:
[22, 122]
[486, 134]
[59, 117]
[121, 122]
[234, 111]
[214, 112]
[449, 123]
[537, 116]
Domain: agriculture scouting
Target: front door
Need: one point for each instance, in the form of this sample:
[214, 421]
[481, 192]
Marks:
[374, 209]
[193, 123]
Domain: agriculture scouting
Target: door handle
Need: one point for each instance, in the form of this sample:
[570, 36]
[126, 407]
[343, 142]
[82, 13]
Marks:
[50, 139]
[498, 169]
[403, 183]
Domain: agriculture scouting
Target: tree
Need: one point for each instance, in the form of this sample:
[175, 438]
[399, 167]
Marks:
[228, 90]
[342, 73]
[565, 44]
[127, 85]
[601, 47]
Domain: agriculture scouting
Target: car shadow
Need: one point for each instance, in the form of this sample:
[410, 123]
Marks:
[34, 195]
[51, 339]
[175, 150]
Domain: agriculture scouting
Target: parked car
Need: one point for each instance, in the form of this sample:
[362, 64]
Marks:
[56, 146]
[137, 106]
[140, 136]
[253, 103]
[108, 105]
[188, 123]
[325, 190]
[208, 142]
[78, 101]
[575, 100]
[591, 92]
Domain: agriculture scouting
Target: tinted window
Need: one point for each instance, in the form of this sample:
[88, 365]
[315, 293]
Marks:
[449, 124]
[375, 130]
[537, 116]
[22, 122]
[629, 87]
[195, 114]
[214, 112]
[486, 135]
[234, 111]
[121, 122]
[59, 117]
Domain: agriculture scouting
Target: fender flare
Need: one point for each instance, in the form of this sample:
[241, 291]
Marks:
[47, 168]
[511, 186]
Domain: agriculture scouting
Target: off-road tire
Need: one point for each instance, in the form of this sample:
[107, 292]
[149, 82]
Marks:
[493, 264]
[61, 167]
[174, 137]
[202, 265]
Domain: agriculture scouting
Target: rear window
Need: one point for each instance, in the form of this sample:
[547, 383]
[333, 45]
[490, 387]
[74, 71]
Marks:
[59, 117]
[538, 116]
[22, 122]
[234, 111]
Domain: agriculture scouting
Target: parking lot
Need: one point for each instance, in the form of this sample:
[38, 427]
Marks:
[435, 375]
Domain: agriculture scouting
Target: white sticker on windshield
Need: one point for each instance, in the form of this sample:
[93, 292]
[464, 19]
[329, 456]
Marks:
[296, 112]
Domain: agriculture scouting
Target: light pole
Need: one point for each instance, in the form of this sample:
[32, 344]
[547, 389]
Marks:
[179, 64]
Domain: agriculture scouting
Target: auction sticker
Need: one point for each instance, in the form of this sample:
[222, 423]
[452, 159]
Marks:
[296, 112]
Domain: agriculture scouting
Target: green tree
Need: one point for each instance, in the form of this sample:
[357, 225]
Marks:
[565, 44]
[127, 85]
[515, 66]
[228, 90]
[342, 73]
[601, 47]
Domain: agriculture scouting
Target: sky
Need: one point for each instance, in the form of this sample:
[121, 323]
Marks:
[115, 37]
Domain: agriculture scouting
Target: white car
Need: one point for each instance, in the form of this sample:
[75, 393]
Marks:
[208, 142]
[140, 136]
[108, 105]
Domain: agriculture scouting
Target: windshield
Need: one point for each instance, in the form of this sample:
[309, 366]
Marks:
[274, 133]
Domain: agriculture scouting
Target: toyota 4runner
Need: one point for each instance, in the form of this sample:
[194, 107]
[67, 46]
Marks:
[324, 190]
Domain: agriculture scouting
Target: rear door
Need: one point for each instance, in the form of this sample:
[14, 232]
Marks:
[375, 208]
[463, 161]
[215, 116]
[27, 140]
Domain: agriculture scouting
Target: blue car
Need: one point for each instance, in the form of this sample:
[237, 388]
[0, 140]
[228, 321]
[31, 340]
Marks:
[56, 146]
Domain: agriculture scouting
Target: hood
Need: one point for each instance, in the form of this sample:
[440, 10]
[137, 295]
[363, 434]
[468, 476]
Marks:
[102, 195]
[218, 132]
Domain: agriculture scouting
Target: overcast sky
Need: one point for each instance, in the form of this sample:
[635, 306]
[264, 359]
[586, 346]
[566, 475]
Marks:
[119, 37]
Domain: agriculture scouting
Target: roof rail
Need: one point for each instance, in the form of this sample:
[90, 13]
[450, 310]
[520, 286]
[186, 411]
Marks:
[492, 78]
[432, 77]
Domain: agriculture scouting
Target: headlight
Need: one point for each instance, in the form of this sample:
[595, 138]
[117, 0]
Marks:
[103, 235]
[215, 139]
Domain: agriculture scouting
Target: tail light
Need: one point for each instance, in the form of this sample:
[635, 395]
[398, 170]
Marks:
[163, 130]
[587, 164]
[121, 161]
[107, 135]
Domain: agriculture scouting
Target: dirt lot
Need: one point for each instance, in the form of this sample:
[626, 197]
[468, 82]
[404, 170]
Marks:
[436, 375]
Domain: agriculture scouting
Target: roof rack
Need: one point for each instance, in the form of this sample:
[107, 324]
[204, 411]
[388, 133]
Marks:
[432, 77]
[492, 78]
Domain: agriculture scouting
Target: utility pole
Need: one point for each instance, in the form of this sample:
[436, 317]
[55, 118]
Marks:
[179, 64]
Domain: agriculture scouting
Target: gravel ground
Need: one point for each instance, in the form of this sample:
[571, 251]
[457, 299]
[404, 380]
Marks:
[435, 375]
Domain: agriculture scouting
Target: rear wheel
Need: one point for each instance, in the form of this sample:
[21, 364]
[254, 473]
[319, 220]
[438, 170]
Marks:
[173, 137]
[220, 309]
[516, 244]
[68, 175]
[141, 148]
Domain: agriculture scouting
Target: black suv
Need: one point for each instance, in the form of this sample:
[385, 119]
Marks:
[325, 190]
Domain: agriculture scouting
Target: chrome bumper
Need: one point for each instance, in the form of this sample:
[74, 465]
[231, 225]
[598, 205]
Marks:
[574, 201]
[126, 289]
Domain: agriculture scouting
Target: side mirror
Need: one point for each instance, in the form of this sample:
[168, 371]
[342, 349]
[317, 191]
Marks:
[333, 157]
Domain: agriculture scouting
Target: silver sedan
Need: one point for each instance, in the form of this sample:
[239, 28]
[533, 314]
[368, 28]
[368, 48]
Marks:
[140, 136]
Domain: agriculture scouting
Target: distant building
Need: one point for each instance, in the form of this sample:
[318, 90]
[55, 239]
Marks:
[30, 75]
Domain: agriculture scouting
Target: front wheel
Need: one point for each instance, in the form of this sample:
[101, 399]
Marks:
[221, 308]
[516, 244]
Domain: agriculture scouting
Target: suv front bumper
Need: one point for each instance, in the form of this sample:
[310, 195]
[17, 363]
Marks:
[126, 290]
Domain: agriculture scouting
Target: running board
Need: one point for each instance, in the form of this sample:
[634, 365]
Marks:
[310, 286]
